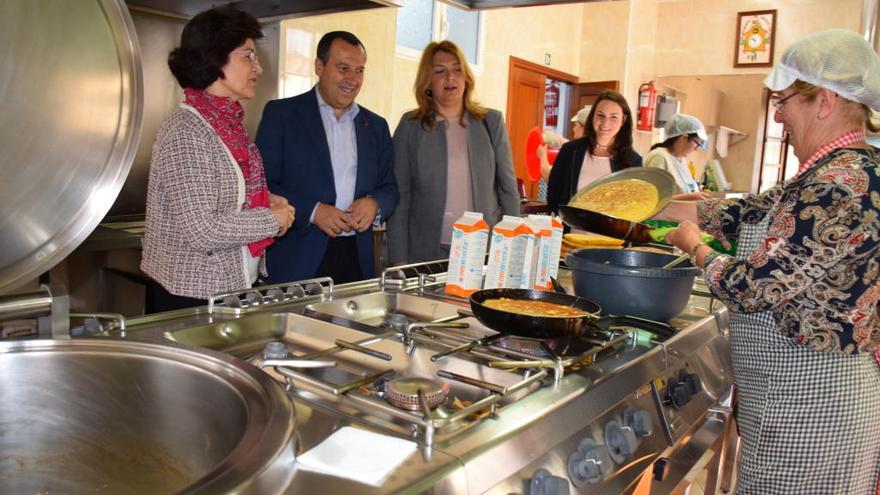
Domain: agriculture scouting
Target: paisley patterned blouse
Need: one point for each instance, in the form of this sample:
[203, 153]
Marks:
[817, 268]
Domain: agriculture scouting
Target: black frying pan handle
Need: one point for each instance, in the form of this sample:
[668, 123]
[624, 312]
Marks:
[655, 327]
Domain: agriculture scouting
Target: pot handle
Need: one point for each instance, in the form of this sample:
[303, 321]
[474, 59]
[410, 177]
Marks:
[658, 328]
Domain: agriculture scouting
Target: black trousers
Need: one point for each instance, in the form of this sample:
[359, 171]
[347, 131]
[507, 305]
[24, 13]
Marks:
[158, 300]
[340, 261]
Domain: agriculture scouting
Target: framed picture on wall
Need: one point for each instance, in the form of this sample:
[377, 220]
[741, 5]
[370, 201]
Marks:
[755, 33]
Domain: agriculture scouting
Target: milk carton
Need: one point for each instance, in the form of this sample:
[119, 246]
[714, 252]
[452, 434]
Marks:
[470, 235]
[530, 259]
[549, 245]
[507, 253]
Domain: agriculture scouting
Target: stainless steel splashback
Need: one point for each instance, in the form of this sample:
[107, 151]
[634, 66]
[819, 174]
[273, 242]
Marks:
[71, 93]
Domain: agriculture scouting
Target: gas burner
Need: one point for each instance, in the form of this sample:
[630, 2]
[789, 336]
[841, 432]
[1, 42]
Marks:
[562, 347]
[404, 392]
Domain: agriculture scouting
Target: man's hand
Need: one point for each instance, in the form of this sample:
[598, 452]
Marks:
[363, 212]
[331, 220]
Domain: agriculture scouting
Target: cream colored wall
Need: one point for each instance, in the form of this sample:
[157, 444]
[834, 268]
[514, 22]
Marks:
[733, 101]
[376, 28]
[632, 41]
[604, 41]
[697, 37]
[527, 33]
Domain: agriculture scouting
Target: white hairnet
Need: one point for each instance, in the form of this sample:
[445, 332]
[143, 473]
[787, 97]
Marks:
[835, 59]
[681, 123]
[582, 115]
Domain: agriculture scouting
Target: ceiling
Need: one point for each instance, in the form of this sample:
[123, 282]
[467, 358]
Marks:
[284, 9]
[496, 4]
[261, 9]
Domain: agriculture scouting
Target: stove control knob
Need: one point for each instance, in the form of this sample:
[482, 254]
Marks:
[639, 420]
[589, 464]
[620, 440]
[677, 394]
[544, 483]
[692, 380]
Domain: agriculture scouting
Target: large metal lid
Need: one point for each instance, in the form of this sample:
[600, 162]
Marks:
[72, 95]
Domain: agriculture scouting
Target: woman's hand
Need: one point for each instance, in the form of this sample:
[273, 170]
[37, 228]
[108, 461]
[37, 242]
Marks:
[284, 213]
[275, 199]
[692, 196]
[685, 237]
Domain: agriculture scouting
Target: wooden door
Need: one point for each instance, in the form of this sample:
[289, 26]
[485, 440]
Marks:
[583, 94]
[525, 109]
[526, 88]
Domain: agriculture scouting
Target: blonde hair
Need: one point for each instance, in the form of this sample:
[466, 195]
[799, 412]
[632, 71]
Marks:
[861, 114]
[422, 86]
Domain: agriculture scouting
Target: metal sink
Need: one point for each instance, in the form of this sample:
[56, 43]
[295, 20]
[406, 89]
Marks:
[373, 309]
[245, 337]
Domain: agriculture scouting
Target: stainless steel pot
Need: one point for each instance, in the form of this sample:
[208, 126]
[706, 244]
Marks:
[110, 416]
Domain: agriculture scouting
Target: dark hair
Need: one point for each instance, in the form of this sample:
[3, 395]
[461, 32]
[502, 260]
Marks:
[206, 42]
[327, 40]
[623, 141]
[671, 141]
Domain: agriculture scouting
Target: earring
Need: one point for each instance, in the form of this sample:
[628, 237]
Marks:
[429, 93]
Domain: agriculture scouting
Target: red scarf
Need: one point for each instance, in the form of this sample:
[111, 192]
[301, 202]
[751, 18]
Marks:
[226, 117]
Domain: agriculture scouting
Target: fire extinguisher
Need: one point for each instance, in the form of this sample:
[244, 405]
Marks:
[647, 104]
[551, 104]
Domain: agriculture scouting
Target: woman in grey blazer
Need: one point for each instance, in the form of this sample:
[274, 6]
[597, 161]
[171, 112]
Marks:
[451, 155]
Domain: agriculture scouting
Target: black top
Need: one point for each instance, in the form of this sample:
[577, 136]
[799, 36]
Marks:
[567, 169]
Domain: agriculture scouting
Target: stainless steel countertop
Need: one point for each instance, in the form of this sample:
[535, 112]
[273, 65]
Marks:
[469, 463]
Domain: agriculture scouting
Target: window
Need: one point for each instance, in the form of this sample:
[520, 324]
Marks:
[421, 21]
[778, 162]
[415, 23]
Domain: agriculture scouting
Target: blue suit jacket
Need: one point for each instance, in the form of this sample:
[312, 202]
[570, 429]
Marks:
[296, 156]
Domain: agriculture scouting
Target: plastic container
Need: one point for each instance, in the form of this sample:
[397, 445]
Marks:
[628, 282]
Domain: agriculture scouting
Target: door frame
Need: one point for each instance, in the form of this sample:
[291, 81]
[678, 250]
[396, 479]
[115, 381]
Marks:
[545, 72]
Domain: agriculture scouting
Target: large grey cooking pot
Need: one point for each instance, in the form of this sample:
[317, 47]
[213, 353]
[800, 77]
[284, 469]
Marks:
[630, 282]
[111, 416]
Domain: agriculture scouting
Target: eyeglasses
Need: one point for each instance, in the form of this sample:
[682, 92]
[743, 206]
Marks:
[778, 102]
[697, 141]
[250, 54]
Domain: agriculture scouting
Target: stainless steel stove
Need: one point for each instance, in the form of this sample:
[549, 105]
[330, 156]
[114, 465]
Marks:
[490, 414]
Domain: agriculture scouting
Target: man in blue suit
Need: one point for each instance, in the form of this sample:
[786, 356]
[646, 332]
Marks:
[334, 162]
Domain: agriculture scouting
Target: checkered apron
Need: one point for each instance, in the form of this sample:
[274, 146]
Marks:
[809, 420]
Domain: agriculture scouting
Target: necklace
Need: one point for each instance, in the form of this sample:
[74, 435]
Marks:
[602, 146]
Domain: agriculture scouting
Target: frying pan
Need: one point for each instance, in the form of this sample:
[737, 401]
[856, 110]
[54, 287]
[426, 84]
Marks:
[619, 228]
[546, 327]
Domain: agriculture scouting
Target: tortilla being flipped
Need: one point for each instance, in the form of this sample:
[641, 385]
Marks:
[629, 199]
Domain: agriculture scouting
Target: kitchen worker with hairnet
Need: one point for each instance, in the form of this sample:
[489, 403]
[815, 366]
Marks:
[803, 287]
